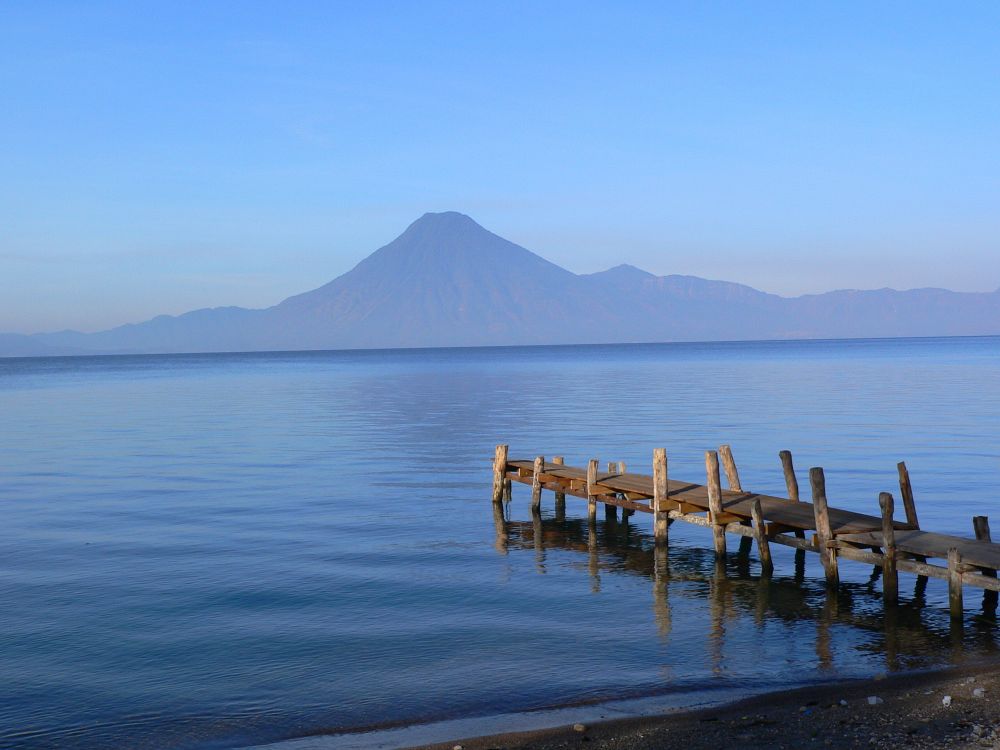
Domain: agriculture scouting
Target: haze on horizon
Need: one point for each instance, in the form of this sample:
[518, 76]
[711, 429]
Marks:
[160, 158]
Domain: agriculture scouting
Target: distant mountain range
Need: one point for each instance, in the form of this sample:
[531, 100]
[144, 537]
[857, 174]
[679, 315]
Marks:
[446, 281]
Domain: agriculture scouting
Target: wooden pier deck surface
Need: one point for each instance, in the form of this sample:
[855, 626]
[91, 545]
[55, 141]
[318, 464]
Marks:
[833, 532]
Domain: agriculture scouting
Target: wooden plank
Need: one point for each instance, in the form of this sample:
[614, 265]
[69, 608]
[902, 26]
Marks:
[499, 472]
[715, 502]
[890, 579]
[763, 548]
[929, 544]
[827, 555]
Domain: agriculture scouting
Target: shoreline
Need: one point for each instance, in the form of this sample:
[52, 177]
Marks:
[910, 712]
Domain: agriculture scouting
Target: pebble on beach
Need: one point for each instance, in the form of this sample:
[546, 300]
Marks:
[874, 700]
[579, 727]
[946, 701]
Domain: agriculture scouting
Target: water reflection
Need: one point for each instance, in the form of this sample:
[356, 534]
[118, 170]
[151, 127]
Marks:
[907, 635]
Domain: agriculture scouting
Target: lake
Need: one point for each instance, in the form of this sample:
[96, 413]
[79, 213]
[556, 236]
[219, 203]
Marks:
[214, 551]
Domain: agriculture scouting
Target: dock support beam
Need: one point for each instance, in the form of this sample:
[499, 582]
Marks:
[955, 583]
[560, 496]
[499, 472]
[733, 481]
[890, 578]
[906, 492]
[661, 519]
[714, 483]
[824, 536]
[981, 525]
[763, 546]
[536, 484]
[592, 490]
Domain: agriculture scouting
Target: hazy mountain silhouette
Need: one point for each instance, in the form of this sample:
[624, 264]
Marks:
[446, 281]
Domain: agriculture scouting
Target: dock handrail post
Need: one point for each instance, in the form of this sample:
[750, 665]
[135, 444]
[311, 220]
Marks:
[715, 502]
[536, 483]
[661, 490]
[760, 533]
[626, 512]
[560, 496]
[592, 489]
[611, 511]
[890, 577]
[733, 481]
[824, 536]
[906, 492]
[955, 605]
[499, 472]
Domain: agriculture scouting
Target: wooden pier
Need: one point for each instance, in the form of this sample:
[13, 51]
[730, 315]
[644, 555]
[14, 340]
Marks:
[762, 520]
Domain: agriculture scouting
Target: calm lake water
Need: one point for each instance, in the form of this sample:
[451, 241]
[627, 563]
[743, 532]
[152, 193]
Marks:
[215, 551]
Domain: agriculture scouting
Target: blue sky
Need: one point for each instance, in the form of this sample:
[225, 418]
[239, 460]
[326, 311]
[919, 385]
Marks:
[163, 157]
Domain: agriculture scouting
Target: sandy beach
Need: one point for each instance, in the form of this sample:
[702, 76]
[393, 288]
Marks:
[952, 708]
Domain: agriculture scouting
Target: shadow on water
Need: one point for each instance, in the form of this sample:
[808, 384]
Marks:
[907, 636]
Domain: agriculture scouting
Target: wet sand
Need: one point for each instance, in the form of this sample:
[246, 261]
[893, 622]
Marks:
[910, 711]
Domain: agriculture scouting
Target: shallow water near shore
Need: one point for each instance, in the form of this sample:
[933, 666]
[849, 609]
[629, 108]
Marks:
[212, 551]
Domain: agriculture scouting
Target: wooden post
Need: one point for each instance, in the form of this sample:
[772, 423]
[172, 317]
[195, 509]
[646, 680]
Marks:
[715, 502]
[890, 578]
[626, 512]
[729, 465]
[790, 481]
[499, 472]
[733, 482]
[611, 511]
[824, 535]
[560, 496]
[536, 483]
[763, 546]
[508, 490]
[661, 521]
[981, 524]
[592, 489]
[906, 492]
[955, 583]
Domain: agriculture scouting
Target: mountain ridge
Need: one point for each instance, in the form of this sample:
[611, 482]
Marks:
[447, 281]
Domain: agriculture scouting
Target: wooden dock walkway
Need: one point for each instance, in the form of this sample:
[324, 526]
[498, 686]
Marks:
[814, 526]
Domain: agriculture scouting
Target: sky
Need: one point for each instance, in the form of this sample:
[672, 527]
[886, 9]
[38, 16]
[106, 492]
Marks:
[161, 157]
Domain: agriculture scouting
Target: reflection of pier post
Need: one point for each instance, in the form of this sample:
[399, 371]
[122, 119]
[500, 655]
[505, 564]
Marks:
[500, 524]
[661, 601]
[828, 615]
[537, 538]
[717, 616]
[891, 623]
[593, 566]
[763, 600]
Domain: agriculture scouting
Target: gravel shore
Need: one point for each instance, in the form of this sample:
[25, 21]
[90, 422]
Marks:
[954, 708]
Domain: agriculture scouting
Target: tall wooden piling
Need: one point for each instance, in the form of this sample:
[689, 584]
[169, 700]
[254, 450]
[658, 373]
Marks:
[955, 605]
[536, 482]
[981, 525]
[906, 493]
[733, 482]
[824, 536]
[890, 578]
[791, 482]
[760, 533]
[499, 472]
[661, 519]
[714, 484]
[592, 489]
[560, 496]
